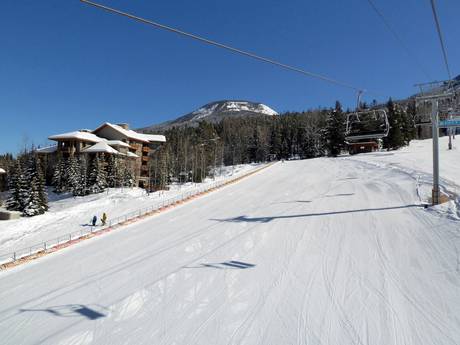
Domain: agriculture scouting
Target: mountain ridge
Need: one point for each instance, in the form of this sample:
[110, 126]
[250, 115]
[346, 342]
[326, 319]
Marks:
[215, 112]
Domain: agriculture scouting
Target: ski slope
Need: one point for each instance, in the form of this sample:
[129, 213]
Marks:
[321, 251]
[71, 214]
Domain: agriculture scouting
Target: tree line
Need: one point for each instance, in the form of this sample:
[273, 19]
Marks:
[191, 154]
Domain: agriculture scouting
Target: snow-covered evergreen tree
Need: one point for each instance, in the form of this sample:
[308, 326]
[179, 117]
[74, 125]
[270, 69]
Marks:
[127, 175]
[42, 194]
[37, 202]
[60, 176]
[114, 172]
[97, 177]
[395, 138]
[73, 175]
[80, 187]
[18, 188]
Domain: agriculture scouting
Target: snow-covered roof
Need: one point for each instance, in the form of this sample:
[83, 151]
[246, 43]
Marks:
[154, 137]
[47, 149]
[134, 135]
[77, 135]
[132, 155]
[2, 171]
[101, 147]
[117, 143]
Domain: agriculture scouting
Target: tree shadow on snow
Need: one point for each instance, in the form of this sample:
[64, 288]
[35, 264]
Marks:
[69, 310]
[306, 215]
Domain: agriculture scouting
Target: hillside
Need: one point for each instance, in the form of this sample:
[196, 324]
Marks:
[318, 251]
[215, 112]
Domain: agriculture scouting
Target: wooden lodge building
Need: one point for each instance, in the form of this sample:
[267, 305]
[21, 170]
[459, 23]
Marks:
[109, 138]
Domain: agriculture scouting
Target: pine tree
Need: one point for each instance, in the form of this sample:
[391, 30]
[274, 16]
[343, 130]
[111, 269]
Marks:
[97, 177]
[114, 173]
[410, 129]
[127, 175]
[81, 188]
[60, 176]
[334, 134]
[36, 201]
[42, 194]
[73, 175]
[395, 138]
[16, 200]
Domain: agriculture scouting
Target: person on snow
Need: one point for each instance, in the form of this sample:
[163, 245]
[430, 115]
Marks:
[104, 218]
[94, 220]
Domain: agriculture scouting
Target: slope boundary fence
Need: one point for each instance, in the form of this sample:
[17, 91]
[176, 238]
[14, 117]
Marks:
[32, 252]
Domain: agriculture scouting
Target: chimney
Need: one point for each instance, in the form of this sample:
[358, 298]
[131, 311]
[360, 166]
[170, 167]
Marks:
[123, 125]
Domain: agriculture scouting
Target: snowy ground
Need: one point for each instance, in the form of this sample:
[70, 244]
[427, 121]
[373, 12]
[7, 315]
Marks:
[323, 251]
[416, 160]
[69, 214]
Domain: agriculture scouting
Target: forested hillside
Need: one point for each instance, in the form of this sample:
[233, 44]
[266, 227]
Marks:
[191, 153]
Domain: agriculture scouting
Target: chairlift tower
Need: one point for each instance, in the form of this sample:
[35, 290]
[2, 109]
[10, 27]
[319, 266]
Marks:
[437, 102]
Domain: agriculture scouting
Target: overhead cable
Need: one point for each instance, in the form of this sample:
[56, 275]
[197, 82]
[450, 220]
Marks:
[398, 38]
[224, 46]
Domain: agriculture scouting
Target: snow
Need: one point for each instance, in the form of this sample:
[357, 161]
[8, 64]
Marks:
[134, 135]
[70, 214]
[320, 251]
[131, 155]
[101, 147]
[204, 112]
[77, 135]
[47, 149]
[416, 160]
[117, 143]
[267, 110]
[232, 106]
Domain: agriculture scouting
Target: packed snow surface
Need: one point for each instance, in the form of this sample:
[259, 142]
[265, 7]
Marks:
[70, 214]
[321, 251]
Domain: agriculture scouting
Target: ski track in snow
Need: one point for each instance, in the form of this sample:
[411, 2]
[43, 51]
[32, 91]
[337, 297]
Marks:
[323, 251]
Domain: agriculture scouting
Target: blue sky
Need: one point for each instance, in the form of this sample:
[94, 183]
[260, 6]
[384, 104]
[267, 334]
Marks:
[65, 65]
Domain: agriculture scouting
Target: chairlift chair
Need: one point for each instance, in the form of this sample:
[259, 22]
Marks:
[367, 125]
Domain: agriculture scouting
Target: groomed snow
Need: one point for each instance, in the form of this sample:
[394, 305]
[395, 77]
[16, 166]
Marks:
[321, 251]
[69, 214]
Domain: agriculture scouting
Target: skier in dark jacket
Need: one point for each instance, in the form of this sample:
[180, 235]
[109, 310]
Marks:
[94, 220]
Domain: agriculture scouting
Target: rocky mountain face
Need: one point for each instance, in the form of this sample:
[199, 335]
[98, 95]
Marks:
[216, 112]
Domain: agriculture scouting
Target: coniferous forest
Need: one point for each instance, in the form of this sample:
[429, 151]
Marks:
[191, 154]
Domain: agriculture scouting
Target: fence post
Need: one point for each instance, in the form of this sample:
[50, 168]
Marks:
[14, 256]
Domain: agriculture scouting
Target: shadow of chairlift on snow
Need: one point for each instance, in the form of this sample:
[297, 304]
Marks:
[225, 265]
[267, 219]
[338, 195]
[292, 202]
[69, 310]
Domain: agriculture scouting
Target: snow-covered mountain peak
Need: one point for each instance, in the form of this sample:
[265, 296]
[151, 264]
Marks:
[231, 107]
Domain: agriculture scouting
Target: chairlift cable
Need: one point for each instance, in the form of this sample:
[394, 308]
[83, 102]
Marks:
[227, 47]
[398, 38]
[441, 39]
